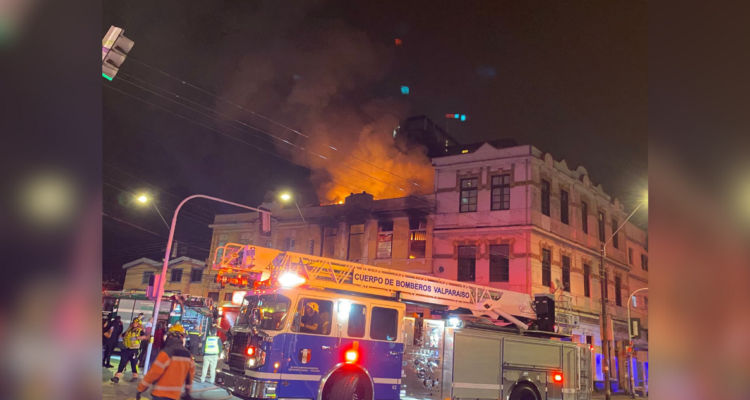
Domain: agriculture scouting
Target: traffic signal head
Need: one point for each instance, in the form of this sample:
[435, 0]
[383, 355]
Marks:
[115, 48]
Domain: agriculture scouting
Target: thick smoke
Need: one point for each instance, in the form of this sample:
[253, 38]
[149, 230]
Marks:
[320, 79]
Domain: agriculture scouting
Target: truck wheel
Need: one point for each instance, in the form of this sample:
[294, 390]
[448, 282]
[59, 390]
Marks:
[347, 387]
[523, 392]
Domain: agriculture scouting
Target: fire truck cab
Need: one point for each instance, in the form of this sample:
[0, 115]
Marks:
[326, 329]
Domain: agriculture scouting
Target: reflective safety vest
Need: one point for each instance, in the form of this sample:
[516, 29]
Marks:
[212, 345]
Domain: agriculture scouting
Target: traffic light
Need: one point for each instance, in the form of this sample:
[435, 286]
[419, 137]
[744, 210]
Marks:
[115, 48]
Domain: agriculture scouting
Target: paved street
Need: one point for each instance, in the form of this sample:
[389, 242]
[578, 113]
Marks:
[125, 390]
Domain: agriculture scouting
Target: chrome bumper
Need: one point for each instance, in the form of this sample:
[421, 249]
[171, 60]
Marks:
[246, 386]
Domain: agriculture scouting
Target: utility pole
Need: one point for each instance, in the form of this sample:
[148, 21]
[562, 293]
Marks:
[605, 338]
[604, 280]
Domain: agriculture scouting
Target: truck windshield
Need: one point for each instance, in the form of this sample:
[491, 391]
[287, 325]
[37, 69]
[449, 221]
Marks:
[267, 311]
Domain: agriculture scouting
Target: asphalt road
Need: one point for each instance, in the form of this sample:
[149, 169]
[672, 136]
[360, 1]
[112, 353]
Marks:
[126, 390]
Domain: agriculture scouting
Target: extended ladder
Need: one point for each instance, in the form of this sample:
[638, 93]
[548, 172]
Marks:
[366, 279]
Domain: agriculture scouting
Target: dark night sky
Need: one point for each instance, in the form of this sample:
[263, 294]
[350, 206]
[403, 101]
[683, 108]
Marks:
[569, 78]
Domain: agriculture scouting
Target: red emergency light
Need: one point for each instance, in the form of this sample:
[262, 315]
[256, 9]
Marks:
[352, 355]
[251, 351]
[558, 377]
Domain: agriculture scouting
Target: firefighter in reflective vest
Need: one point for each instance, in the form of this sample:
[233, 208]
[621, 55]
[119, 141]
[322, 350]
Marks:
[211, 357]
[173, 369]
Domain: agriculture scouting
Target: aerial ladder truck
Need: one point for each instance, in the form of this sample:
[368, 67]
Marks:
[326, 329]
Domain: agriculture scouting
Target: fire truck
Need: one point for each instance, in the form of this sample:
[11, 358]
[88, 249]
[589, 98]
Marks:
[326, 329]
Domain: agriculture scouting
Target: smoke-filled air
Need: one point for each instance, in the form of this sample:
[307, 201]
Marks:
[321, 82]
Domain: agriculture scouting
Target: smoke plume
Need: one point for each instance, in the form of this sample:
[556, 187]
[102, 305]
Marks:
[320, 79]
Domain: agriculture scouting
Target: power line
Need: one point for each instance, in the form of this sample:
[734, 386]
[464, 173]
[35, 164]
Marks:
[186, 212]
[217, 131]
[143, 229]
[269, 120]
[209, 212]
[259, 130]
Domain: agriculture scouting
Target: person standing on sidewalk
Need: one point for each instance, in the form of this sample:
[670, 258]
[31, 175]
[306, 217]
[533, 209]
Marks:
[131, 339]
[112, 341]
[211, 357]
[173, 369]
[158, 341]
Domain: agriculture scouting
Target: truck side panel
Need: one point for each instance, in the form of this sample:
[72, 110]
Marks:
[532, 354]
[477, 371]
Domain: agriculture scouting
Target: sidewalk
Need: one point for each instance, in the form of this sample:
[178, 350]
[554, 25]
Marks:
[126, 390]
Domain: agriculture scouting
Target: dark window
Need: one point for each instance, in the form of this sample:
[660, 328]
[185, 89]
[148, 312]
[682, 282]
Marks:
[564, 207]
[357, 318]
[196, 275]
[288, 244]
[589, 339]
[499, 263]
[467, 259]
[587, 280]
[618, 294]
[356, 233]
[306, 315]
[566, 273]
[228, 296]
[615, 243]
[385, 239]
[601, 226]
[176, 275]
[644, 262]
[468, 195]
[545, 197]
[630, 255]
[546, 268]
[585, 217]
[384, 324]
[329, 242]
[417, 238]
[146, 276]
[501, 192]
[214, 296]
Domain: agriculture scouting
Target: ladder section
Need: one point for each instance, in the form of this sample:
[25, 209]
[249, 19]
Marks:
[360, 278]
[565, 320]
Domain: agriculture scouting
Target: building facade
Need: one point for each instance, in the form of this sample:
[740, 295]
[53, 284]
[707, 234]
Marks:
[184, 274]
[516, 219]
[390, 233]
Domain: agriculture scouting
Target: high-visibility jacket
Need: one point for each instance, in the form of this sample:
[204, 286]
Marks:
[172, 372]
[213, 346]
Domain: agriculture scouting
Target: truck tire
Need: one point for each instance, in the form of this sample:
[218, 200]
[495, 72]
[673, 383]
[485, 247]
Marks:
[524, 392]
[347, 387]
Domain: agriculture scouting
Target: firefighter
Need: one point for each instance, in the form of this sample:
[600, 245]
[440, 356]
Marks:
[173, 369]
[211, 357]
[131, 339]
[310, 322]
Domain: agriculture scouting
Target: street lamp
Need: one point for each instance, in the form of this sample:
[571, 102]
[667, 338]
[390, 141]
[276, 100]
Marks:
[143, 199]
[630, 340]
[286, 197]
[160, 292]
[604, 280]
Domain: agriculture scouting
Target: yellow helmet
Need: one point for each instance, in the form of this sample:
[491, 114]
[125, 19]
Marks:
[136, 321]
[313, 305]
[176, 329]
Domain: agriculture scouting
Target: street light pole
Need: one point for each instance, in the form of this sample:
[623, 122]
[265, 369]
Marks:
[167, 253]
[604, 281]
[630, 340]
